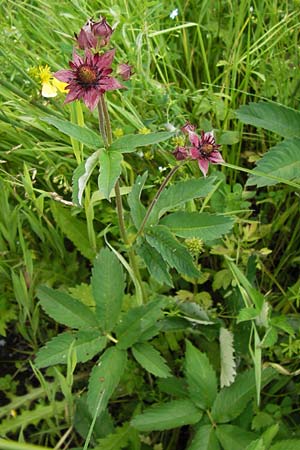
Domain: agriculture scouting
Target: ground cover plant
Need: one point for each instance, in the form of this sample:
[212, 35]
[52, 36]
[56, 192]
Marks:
[149, 232]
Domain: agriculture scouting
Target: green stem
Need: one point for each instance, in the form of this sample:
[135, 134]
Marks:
[105, 130]
[155, 199]
[6, 444]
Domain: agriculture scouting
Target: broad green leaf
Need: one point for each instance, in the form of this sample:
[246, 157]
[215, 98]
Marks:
[105, 378]
[155, 264]
[228, 365]
[205, 439]
[258, 444]
[130, 142]
[86, 345]
[174, 253]
[110, 169]
[137, 210]
[229, 137]
[176, 413]
[201, 377]
[269, 434]
[108, 288]
[73, 228]
[281, 161]
[115, 441]
[179, 193]
[231, 401]
[81, 134]
[273, 117]
[246, 314]
[149, 358]
[232, 437]
[65, 309]
[137, 321]
[81, 177]
[173, 386]
[199, 225]
[286, 444]
[282, 323]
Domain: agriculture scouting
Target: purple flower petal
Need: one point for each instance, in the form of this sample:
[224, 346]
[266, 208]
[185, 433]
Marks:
[203, 165]
[194, 139]
[64, 75]
[215, 157]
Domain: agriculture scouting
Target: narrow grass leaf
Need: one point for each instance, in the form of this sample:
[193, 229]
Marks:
[86, 345]
[110, 170]
[282, 161]
[200, 225]
[65, 309]
[171, 250]
[205, 439]
[201, 377]
[104, 379]
[166, 416]
[130, 142]
[81, 134]
[108, 288]
[274, 117]
[151, 360]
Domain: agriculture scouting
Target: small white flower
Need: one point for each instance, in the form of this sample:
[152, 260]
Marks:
[174, 13]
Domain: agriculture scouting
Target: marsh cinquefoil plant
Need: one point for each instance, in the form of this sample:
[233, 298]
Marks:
[126, 319]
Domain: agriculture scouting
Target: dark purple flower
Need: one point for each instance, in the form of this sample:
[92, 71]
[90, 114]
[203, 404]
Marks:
[180, 153]
[204, 149]
[94, 34]
[86, 38]
[89, 77]
[188, 127]
[125, 71]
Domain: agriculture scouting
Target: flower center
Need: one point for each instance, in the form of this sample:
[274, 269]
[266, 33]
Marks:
[87, 75]
[206, 149]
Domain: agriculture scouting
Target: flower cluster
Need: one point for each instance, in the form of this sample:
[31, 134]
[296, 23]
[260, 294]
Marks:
[203, 148]
[89, 76]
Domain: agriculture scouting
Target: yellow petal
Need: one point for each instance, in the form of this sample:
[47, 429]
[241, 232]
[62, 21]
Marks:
[49, 90]
[60, 85]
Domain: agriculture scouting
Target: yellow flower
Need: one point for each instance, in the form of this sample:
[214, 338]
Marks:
[144, 130]
[118, 132]
[50, 85]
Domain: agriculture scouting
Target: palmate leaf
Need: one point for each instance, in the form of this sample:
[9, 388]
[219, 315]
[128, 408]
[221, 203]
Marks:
[167, 416]
[232, 437]
[110, 169]
[65, 309]
[201, 377]
[73, 228]
[81, 177]
[200, 225]
[137, 321]
[81, 134]
[273, 117]
[172, 251]
[228, 365]
[205, 439]
[155, 264]
[108, 288]
[179, 193]
[105, 378]
[149, 358]
[129, 143]
[86, 344]
[282, 162]
[231, 401]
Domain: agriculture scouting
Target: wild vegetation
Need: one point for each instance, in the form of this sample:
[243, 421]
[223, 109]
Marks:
[150, 270]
